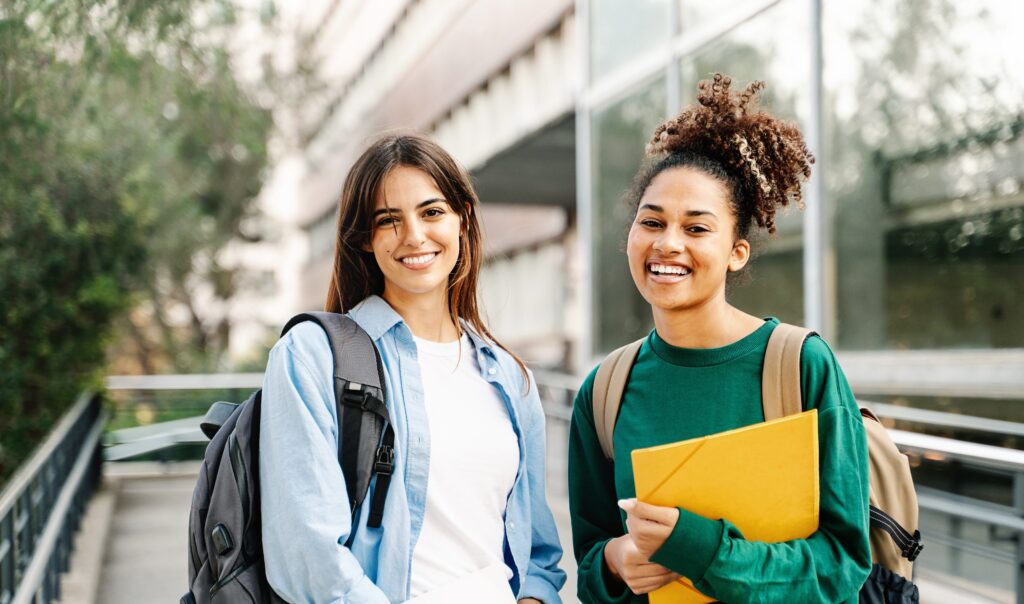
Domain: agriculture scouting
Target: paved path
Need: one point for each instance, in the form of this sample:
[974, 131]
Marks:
[145, 559]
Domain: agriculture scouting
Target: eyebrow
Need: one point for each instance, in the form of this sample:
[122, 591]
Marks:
[691, 213]
[421, 204]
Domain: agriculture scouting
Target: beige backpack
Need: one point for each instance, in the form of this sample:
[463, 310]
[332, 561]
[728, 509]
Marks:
[895, 540]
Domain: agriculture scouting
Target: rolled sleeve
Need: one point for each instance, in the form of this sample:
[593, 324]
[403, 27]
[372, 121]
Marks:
[305, 518]
[543, 576]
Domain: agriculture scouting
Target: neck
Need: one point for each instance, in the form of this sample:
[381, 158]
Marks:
[711, 324]
[427, 315]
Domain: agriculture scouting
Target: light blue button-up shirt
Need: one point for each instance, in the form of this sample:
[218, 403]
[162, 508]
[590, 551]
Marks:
[305, 514]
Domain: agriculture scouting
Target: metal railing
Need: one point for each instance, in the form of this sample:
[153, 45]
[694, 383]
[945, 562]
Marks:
[42, 505]
[1006, 522]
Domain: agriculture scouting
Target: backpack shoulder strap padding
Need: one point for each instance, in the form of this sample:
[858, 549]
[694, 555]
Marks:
[609, 384]
[364, 429]
[780, 378]
[358, 364]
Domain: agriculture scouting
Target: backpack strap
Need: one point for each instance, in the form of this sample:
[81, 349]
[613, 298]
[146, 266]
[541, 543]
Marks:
[609, 384]
[909, 544]
[366, 438]
[780, 378]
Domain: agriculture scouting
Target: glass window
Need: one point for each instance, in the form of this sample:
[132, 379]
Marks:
[620, 31]
[925, 140]
[695, 14]
[620, 132]
[772, 284]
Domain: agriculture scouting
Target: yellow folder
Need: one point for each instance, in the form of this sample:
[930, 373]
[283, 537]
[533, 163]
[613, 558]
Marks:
[762, 478]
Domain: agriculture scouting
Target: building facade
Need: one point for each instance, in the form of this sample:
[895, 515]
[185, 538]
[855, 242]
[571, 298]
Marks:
[909, 255]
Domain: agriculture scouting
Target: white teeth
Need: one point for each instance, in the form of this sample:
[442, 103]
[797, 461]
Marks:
[419, 259]
[666, 269]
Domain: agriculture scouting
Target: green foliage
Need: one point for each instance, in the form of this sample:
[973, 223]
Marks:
[129, 157]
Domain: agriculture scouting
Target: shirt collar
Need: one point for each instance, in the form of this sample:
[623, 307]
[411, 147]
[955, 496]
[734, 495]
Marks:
[376, 317]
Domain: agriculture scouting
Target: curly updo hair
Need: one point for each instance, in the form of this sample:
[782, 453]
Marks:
[761, 159]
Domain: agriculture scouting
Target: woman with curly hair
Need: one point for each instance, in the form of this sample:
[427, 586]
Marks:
[717, 170]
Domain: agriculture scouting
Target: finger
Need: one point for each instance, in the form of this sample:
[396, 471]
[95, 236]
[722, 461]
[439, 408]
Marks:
[655, 513]
[649, 584]
[627, 504]
[649, 571]
[639, 528]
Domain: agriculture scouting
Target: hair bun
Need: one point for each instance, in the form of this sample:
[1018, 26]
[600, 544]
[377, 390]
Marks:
[767, 156]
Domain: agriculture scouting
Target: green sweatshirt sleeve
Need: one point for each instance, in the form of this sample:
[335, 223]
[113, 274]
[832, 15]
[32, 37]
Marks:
[592, 505]
[830, 565]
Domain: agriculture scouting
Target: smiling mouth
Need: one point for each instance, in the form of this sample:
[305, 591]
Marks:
[418, 259]
[668, 270]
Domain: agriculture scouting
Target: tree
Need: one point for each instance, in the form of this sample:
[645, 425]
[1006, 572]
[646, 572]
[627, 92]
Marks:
[129, 155]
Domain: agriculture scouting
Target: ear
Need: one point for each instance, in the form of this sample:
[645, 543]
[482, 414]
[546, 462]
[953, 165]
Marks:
[740, 255]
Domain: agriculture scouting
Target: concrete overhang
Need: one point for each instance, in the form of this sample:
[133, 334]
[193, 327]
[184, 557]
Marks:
[539, 169]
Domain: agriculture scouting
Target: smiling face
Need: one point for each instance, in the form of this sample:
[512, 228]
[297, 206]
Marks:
[415, 235]
[682, 242]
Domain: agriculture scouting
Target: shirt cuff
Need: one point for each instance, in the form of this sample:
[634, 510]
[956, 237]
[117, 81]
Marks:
[691, 547]
[536, 587]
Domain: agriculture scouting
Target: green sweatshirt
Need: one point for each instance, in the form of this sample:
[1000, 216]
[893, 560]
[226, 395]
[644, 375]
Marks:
[674, 394]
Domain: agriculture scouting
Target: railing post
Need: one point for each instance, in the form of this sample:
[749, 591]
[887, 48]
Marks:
[1018, 507]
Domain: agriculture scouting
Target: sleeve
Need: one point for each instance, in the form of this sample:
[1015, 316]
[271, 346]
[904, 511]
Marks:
[305, 518]
[593, 506]
[830, 565]
[543, 577]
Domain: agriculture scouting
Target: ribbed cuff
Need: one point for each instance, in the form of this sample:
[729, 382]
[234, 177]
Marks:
[601, 584]
[691, 547]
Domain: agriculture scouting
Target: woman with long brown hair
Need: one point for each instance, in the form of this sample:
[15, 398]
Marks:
[466, 497]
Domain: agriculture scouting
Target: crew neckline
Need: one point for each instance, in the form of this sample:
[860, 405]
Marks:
[702, 357]
[442, 349]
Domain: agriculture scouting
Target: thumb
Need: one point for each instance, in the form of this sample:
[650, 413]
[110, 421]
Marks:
[655, 513]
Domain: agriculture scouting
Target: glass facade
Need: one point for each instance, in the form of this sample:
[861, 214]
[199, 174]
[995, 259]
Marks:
[620, 132]
[922, 161]
[926, 162]
[922, 168]
[621, 31]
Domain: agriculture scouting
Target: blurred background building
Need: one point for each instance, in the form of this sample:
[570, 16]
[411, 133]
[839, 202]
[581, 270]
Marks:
[205, 216]
[914, 235]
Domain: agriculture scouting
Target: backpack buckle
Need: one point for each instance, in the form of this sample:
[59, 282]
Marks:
[356, 396]
[912, 551]
[385, 460]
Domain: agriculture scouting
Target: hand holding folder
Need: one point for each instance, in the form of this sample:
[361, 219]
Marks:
[762, 478]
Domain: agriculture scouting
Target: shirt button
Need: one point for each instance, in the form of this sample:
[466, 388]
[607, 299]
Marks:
[511, 526]
[492, 371]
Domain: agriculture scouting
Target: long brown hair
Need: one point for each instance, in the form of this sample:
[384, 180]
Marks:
[356, 274]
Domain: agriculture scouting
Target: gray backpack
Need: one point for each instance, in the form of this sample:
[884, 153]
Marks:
[225, 563]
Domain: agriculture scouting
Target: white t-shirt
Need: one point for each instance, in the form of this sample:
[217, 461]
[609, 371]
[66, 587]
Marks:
[474, 458]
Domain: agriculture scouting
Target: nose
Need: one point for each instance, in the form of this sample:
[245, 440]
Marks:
[414, 234]
[670, 242]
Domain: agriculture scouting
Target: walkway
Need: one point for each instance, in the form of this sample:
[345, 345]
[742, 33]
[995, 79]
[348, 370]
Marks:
[140, 520]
